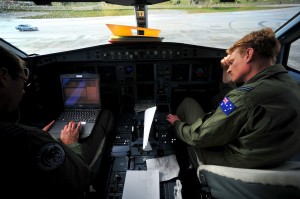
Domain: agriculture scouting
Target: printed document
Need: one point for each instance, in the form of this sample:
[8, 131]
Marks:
[141, 184]
[168, 167]
[148, 118]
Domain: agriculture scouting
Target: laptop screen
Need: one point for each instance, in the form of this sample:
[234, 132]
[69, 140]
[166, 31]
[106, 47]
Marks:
[81, 91]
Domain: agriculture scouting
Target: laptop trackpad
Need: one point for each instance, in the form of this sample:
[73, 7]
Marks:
[85, 128]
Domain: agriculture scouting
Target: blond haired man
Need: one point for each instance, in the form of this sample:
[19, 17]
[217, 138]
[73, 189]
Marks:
[257, 124]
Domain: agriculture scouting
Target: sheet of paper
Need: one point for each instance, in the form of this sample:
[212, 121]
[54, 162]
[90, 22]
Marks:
[168, 167]
[148, 118]
[141, 184]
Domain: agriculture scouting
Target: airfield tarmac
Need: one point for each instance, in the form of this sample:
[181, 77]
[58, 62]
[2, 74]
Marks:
[218, 30]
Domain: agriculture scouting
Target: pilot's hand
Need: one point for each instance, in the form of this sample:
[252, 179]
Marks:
[172, 118]
[46, 128]
[225, 62]
[70, 133]
[226, 76]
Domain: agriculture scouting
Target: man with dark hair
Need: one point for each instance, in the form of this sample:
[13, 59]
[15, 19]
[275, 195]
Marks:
[257, 124]
[33, 164]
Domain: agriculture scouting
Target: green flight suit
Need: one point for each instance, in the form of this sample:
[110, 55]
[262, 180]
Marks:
[256, 125]
[35, 165]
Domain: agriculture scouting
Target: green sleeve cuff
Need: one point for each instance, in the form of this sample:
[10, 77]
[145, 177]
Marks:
[76, 147]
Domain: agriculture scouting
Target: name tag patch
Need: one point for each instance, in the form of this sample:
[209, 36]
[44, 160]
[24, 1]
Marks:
[227, 106]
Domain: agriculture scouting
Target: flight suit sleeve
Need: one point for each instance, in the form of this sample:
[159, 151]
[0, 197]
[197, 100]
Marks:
[63, 166]
[218, 129]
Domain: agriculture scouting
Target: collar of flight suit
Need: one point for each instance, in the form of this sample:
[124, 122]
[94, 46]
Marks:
[268, 72]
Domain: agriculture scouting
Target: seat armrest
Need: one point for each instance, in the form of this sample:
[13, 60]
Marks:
[229, 182]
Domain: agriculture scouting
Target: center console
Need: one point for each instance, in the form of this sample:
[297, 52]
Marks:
[127, 148]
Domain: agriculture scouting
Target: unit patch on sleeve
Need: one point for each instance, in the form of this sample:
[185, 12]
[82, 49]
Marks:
[227, 106]
[50, 156]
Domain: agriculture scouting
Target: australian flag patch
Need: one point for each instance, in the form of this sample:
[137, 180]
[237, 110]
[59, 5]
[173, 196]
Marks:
[227, 106]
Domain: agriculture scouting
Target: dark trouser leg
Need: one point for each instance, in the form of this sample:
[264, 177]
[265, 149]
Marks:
[93, 145]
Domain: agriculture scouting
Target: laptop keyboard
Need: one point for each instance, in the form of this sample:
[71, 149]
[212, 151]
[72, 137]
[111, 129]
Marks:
[83, 115]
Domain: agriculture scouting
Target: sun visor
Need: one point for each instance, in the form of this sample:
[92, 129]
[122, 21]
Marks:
[134, 2]
[117, 2]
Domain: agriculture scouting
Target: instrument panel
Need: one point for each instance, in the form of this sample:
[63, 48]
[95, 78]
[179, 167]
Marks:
[162, 72]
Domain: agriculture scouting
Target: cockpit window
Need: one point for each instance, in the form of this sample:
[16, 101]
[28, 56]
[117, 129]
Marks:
[294, 55]
[64, 26]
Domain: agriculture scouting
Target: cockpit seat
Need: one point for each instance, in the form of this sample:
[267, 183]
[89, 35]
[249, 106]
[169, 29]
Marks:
[229, 183]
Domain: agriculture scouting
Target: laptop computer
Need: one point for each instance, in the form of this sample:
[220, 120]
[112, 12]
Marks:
[82, 103]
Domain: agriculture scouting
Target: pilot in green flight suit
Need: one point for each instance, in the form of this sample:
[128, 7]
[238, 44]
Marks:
[34, 164]
[256, 125]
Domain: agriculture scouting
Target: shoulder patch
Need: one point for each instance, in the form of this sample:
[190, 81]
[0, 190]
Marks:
[227, 106]
[245, 88]
[50, 156]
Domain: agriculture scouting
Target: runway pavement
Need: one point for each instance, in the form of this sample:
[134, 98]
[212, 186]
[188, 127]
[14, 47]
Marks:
[207, 29]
